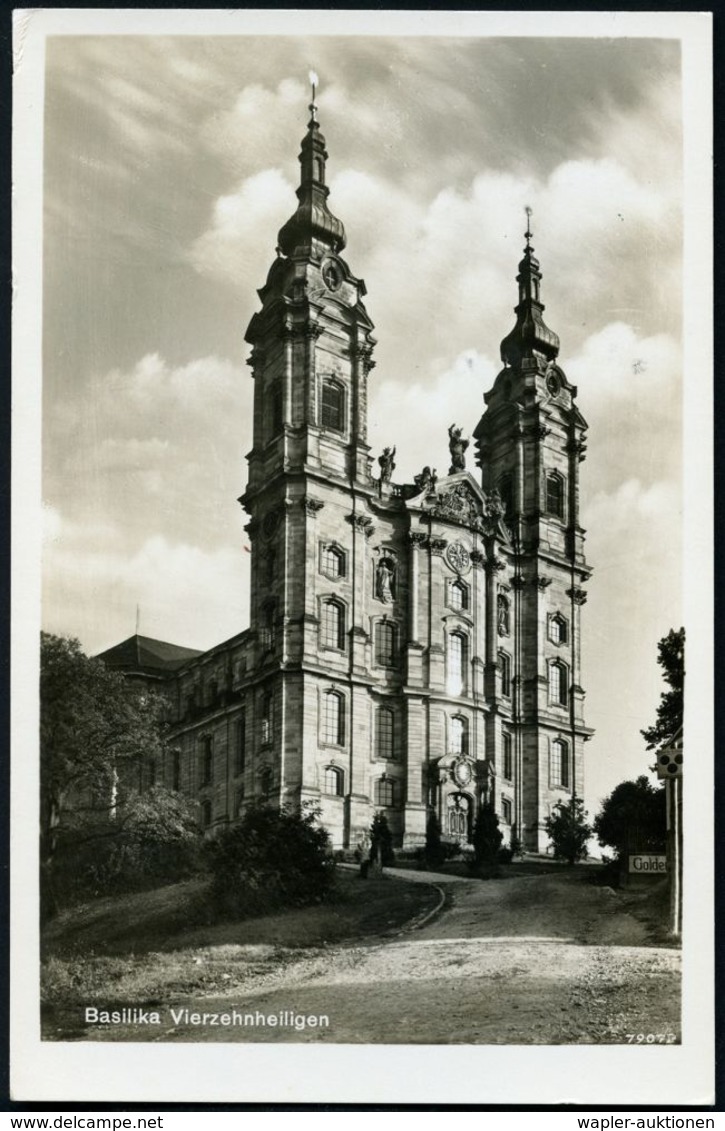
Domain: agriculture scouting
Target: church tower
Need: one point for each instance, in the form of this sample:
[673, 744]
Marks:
[530, 443]
[309, 475]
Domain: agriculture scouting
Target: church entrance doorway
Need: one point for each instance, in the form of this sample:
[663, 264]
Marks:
[458, 823]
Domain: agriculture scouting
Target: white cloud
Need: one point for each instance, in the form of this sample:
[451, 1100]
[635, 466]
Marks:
[240, 241]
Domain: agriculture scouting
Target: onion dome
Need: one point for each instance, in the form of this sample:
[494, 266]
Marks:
[312, 223]
[530, 337]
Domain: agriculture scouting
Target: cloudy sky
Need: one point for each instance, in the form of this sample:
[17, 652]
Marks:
[170, 165]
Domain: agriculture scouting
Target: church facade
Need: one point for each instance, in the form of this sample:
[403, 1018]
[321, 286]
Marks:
[411, 646]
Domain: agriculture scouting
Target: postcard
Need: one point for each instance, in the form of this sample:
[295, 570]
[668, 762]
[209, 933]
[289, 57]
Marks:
[363, 562]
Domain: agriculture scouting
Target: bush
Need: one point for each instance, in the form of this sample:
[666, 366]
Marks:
[434, 852]
[381, 841]
[487, 836]
[505, 855]
[271, 859]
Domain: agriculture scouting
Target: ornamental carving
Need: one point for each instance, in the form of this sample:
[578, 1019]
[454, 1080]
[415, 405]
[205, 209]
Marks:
[312, 506]
[459, 504]
[364, 354]
[495, 565]
[417, 538]
[438, 545]
[541, 583]
[313, 331]
[458, 557]
[577, 448]
[477, 557]
[361, 522]
[517, 582]
[578, 596]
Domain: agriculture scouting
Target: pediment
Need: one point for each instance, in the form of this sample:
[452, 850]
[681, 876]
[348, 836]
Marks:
[458, 498]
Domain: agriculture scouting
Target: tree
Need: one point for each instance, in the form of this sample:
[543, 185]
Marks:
[487, 836]
[96, 733]
[632, 818]
[671, 658]
[153, 838]
[568, 829]
[381, 841]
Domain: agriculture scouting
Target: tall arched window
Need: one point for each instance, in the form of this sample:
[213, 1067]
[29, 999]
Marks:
[238, 800]
[333, 624]
[267, 718]
[333, 718]
[457, 661]
[558, 683]
[240, 745]
[504, 663]
[274, 409]
[559, 775]
[205, 814]
[385, 733]
[458, 742]
[269, 614]
[385, 644]
[555, 494]
[333, 781]
[332, 408]
[333, 561]
[507, 756]
[558, 629]
[207, 760]
[458, 594]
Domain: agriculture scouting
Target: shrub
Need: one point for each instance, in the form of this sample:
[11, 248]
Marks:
[434, 852]
[505, 855]
[381, 841]
[270, 860]
[487, 836]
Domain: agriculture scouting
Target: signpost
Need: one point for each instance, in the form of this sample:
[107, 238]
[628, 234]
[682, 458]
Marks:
[669, 767]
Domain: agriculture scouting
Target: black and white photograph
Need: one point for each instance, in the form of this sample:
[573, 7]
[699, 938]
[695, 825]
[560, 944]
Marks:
[362, 450]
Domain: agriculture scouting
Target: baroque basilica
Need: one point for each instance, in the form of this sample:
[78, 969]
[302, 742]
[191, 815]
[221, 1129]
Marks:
[412, 646]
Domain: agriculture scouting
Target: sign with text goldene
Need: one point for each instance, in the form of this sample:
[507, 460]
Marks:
[647, 864]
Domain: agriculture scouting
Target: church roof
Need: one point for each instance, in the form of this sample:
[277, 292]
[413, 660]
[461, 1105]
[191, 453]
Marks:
[145, 652]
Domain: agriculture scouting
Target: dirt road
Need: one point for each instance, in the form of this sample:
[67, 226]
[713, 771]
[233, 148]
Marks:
[529, 960]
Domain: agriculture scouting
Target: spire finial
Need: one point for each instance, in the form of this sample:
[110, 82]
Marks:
[314, 83]
[528, 233]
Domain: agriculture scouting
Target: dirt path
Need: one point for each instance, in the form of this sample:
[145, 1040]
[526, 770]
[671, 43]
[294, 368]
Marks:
[528, 960]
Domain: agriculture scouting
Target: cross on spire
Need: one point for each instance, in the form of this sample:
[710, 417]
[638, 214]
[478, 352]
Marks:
[314, 83]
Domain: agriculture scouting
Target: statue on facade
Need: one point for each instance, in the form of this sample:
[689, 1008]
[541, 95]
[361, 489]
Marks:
[385, 580]
[426, 480]
[387, 464]
[457, 446]
[503, 615]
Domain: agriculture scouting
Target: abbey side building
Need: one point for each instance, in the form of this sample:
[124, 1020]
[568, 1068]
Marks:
[412, 646]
